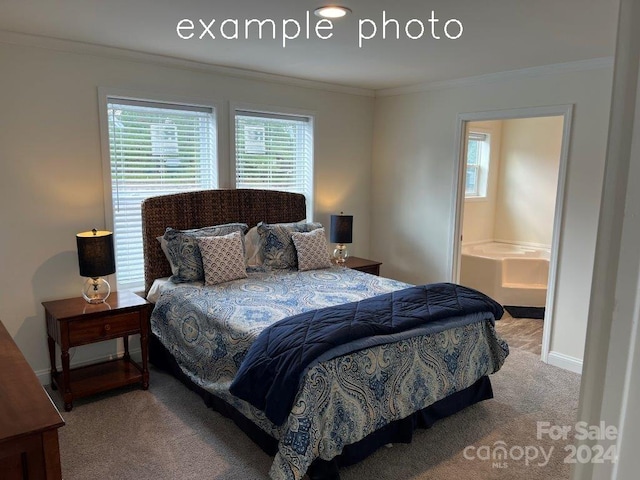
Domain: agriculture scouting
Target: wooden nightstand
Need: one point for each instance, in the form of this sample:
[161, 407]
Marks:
[363, 265]
[74, 322]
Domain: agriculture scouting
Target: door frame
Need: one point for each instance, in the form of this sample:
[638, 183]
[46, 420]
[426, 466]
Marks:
[565, 111]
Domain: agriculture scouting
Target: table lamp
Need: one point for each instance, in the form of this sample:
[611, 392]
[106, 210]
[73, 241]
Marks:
[96, 259]
[341, 233]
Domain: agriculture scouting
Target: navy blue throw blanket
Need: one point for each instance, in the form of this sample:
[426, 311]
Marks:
[269, 375]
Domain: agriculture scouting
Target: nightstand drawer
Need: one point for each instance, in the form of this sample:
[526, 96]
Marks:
[373, 269]
[87, 331]
[363, 265]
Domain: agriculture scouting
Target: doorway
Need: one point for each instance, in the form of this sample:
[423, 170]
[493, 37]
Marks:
[496, 238]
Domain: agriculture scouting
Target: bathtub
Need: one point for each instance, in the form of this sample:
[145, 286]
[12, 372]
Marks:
[510, 274]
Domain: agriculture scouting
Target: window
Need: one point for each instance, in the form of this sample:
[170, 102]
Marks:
[274, 152]
[477, 165]
[154, 149]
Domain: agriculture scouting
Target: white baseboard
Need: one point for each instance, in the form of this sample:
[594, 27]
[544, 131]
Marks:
[565, 361]
[44, 376]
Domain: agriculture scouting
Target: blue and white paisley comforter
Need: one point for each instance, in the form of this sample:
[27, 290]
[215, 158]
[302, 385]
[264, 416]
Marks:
[210, 329]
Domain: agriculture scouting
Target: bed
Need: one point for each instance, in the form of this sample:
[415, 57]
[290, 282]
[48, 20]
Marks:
[347, 403]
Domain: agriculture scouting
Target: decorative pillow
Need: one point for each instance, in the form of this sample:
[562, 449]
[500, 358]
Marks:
[276, 245]
[312, 250]
[222, 258]
[163, 246]
[183, 251]
[252, 251]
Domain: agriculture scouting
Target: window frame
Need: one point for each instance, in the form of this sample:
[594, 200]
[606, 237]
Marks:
[235, 107]
[483, 167]
[105, 95]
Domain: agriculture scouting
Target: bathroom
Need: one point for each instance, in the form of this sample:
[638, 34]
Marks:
[512, 169]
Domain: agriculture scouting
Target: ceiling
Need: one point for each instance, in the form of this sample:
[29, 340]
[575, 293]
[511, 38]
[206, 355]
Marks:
[499, 35]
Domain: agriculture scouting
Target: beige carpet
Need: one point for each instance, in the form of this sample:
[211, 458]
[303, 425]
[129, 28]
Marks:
[168, 433]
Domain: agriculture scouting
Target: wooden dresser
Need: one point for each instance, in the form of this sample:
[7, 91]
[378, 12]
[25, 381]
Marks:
[29, 421]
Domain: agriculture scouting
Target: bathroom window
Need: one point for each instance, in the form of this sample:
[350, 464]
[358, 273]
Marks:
[477, 172]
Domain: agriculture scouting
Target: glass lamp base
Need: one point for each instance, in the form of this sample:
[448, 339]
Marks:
[96, 290]
[340, 254]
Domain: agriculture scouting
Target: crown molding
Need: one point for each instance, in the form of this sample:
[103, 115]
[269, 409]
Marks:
[531, 72]
[82, 48]
[71, 46]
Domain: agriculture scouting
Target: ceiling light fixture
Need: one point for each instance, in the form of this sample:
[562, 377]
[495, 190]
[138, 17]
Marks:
[331, 11]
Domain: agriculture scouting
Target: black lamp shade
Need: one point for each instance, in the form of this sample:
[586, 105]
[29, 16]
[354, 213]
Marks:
[341, 228]
[96, 256]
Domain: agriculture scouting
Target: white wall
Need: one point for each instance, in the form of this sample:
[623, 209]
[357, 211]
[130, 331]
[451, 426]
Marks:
[51, 174]
[413, 181]
[529, 167]
[610, 390]
[51, 170]
[480, 213]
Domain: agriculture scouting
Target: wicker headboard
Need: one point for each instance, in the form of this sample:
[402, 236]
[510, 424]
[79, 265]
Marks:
[209, 207]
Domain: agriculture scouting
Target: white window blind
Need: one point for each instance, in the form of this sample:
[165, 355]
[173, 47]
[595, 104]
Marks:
[155, 149]
[274, 152]
[476, 173]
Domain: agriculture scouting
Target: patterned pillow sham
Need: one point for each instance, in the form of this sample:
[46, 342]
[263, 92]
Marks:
[276, 245]
[222, 258]
[252, 251]
[183, 251]
[312, 250]
[163, 246]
